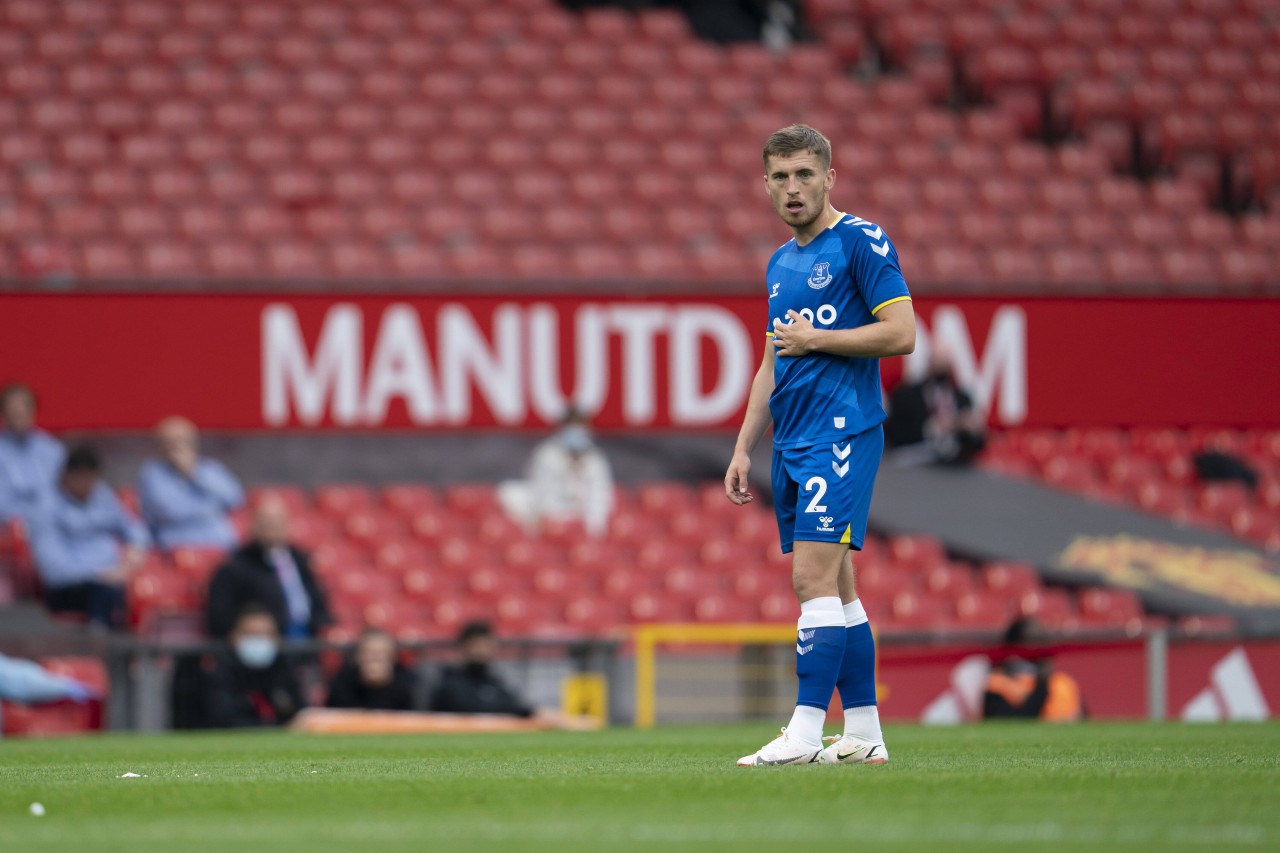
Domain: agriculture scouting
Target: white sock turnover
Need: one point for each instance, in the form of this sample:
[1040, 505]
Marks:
[863, 723]
[806, 725]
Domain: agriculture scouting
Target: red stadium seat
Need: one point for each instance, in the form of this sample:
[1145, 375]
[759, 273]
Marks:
[1110, 607]
[981, 611]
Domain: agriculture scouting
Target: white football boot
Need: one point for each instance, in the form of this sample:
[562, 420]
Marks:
[781, 750]
[848, 750]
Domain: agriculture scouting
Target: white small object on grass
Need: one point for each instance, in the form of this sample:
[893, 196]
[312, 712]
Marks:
[129, 776]
[36, 809]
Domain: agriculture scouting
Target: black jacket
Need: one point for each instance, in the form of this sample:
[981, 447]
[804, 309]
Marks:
[248, 577]
[470, 689]
[236, 696]
[348, 691]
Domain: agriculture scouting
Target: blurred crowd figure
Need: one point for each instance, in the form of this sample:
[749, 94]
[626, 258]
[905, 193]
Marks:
[569, 479]
[28, 682]
[271, 572]
[30, 459]
[933, 420]
[248, 682]
[86, 545]
[187, 499]
[373, 678]
[471, 686]
[1019, 688]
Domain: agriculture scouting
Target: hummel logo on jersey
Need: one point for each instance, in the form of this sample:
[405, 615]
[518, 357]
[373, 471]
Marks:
[826, 527]
[881, 249]
[875, 233]
[774, 291]
[820, 276]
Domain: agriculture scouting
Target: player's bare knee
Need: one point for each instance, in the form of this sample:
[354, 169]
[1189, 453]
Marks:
[815, 569]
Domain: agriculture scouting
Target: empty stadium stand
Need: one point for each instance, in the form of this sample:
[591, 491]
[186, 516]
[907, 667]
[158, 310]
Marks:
[170, 142]
[1154, 470]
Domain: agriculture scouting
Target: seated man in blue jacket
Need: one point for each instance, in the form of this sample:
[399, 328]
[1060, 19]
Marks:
[186, 498]
[30, 458]
[85, 544]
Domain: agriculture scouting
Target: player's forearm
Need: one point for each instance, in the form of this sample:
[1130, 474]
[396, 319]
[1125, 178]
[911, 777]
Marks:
[756, 422]
[876, 340]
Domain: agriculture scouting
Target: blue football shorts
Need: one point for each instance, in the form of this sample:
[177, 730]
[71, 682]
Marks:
[823, 493]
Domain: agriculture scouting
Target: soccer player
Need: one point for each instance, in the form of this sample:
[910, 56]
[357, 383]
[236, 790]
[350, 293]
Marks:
[838, 303]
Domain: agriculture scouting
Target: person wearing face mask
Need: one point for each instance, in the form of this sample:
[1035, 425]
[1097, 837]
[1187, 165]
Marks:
[471, 686]
[372, 678]
[271, 572]
[933, 420]
[569, 477]
[249, 683]
[30, 458]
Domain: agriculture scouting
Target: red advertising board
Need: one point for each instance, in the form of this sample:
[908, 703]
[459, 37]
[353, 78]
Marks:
[1206, 680]
[260, 361]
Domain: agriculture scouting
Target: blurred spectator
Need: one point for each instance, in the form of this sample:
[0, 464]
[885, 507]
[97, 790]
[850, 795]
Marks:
[28, 682]
[934, 420]
[569, 478]
[1019, 688]
[271, 572]
[186, 499]
[1219, 465]
[85, 544]
[471, 687]
[249, 683]
[30, 459]
[372, 678]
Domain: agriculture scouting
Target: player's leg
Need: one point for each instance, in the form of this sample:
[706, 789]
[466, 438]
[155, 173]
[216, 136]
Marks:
[820, 634]
[799, 493]
[862, 741]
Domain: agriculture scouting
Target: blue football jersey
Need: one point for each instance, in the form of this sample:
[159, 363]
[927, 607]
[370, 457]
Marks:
[839, 280]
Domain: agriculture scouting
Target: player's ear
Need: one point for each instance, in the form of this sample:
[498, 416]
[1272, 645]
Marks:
[831, 178]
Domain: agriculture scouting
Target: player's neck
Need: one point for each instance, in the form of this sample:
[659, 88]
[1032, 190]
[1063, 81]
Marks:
[810, 232]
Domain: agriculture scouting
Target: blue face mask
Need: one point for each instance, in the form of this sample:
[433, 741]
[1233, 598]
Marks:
[576, 438]
[257, 652]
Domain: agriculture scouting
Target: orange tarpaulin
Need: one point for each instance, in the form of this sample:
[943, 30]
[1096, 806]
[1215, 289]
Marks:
[336, 721]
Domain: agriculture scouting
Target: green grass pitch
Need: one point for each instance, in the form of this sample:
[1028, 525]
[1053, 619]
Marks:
[1094, 786]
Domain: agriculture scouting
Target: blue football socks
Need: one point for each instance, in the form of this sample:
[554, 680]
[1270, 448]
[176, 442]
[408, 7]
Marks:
[857, 680]
[820, 634]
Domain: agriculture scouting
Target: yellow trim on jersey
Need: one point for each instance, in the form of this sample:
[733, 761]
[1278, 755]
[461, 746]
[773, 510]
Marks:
[836, 221]
[845, 540]
[768, 334]
[876, 310]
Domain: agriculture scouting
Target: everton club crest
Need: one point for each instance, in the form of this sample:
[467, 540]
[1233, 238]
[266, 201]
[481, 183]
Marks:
[820, 275]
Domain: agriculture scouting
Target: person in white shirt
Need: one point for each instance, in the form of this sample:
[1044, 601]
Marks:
[568, 478]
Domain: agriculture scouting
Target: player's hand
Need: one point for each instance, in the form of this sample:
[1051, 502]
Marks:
[735, 480]
[794, 338]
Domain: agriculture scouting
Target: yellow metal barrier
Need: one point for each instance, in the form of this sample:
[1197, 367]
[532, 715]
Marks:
[647, 638]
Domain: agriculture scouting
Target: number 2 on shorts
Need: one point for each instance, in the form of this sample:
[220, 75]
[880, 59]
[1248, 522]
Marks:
[821, 485]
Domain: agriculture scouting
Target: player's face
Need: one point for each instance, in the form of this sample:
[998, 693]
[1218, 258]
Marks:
[798, 187]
